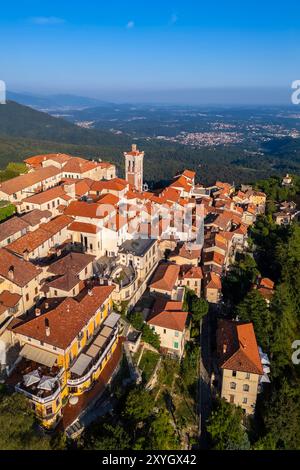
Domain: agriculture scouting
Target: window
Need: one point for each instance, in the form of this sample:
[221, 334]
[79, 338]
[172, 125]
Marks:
[55, 293]
[27, 297]
[36, 290]
[165, 331]
[232, 385]
[246, 388]
[248, 375]
[234, 373]
[176, 345]
[176, 334]
[231, 399]
[49, 410]
[245, 400]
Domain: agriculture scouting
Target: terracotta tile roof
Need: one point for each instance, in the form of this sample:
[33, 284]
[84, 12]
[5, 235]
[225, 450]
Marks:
[83, 227]
[33, 240]
[66, 282]
[165, 277]
[189, 174]
[79, 165]
[11, 226]
[73, 262]
[9, 299]
[242, 229]
[29, 242]
[37, 160]
[57, 224]
[115, 184]
[85, 209]
[172, 320]
[23, 271]
[213, 281]
[191, 272]
[21, 182]
[181, 183]
[35, 217]
[162, 304]
[67, 320]
[46, 196]
[266, 282]
[109, 199]
[237, 347]
[213, 257]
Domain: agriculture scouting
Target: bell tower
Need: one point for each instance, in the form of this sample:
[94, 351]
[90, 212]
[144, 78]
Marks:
[134, 167]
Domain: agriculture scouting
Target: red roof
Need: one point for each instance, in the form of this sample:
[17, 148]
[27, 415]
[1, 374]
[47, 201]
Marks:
[67, 320]
[83, 227]
[168, 314]
[165, 277]
[237, 347]
[266, 282]
[213, 281]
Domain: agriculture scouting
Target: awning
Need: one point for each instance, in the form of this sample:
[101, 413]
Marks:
[106, 332]
[81, 364]
[93, 351]
[100, 341]
[38, 355]
[112, 320]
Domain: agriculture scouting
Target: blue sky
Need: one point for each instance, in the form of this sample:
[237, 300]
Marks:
[106, 47]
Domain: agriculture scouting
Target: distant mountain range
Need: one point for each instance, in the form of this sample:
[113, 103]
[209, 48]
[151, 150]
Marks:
[57, 102]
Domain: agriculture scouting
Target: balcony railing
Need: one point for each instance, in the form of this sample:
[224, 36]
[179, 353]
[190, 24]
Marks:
[35, 397]
[84, 378]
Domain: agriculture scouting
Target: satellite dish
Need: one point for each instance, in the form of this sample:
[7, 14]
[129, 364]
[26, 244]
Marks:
[145, 187]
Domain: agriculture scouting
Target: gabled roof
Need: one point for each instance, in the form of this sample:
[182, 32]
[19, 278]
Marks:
[34, 217]
[237, 347]
[23, 271]
[11, 226]
[191, 272]
[85, 209]
[266, 282]
[165, 277]
[33, 240]
[67, 320]
[21, 182]
[83, 227]
[46, 196]
[213, 281]
[169, 315]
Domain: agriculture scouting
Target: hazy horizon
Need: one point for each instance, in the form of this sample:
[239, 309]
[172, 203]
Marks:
[206, 96]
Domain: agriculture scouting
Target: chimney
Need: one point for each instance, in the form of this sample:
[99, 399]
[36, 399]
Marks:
[133, 147]
[224, 348]
[90, 293]
[47, 326]
[37, 312]
[11, 273]
[46, 305]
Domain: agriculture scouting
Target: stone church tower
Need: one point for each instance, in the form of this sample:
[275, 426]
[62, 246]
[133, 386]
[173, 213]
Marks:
[134, 167]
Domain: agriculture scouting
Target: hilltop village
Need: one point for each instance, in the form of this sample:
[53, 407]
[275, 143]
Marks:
[85, 248]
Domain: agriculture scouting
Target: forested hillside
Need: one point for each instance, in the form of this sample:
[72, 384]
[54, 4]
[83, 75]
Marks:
[25, 132]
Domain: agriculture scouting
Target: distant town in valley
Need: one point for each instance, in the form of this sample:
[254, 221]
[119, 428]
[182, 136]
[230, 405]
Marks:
[136, 315]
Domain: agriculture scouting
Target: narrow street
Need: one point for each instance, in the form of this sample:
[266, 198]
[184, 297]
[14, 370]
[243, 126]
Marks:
[204, 383]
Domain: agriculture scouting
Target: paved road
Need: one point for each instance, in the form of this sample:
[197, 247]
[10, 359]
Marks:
[204, 386]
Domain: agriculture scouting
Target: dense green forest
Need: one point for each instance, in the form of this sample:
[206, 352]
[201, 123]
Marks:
[276, 254]
[25, 132]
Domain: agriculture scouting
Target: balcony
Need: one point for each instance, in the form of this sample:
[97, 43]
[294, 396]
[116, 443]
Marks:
[91, 358]
[35, 391]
